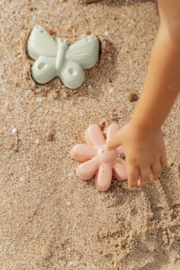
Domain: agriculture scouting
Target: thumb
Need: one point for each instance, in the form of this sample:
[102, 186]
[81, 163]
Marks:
[115, 141]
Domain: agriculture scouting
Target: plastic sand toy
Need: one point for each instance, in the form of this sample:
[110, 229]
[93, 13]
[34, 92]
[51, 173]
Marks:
[98, 159]
[60, 58]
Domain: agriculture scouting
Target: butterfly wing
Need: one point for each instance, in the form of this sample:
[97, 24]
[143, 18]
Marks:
[41, 43]
[72, 74]
[84, 52]
[44, 69]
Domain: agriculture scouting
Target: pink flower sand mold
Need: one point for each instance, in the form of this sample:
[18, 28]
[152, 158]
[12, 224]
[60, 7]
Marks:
[98, 159]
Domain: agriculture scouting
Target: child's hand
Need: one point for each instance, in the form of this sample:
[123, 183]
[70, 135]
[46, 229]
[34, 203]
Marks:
[145, 153]
[141, 138]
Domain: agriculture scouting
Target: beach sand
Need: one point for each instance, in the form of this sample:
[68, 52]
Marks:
[43, 205]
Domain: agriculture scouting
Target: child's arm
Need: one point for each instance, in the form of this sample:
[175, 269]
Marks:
[141, 138]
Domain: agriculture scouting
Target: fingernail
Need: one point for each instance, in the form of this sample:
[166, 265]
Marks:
[106, 148]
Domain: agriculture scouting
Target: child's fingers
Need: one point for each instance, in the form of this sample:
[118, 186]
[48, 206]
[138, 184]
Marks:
[163, 160]
[133, 175]
[114, 142]
[156, 170]
[144, 175]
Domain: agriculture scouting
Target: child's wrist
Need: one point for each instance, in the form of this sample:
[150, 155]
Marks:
[142, 128]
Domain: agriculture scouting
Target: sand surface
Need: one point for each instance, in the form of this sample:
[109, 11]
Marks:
[42, 202]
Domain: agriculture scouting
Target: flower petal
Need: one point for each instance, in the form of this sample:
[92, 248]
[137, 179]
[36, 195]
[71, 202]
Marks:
[103, 177]
[94, 136]
[120, 171]
[120, 150]
[111, 131]
[86, 170]
[82, 152]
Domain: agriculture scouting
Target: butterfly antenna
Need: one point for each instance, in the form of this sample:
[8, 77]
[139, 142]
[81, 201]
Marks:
[59, 40]
[67, 41]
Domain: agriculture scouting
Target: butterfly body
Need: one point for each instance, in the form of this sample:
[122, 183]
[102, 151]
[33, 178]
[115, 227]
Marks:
[60, 58]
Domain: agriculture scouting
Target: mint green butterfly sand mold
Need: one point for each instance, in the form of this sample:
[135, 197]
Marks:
[60, 58]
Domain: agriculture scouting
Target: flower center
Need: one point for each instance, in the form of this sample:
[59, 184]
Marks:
[106, 156]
